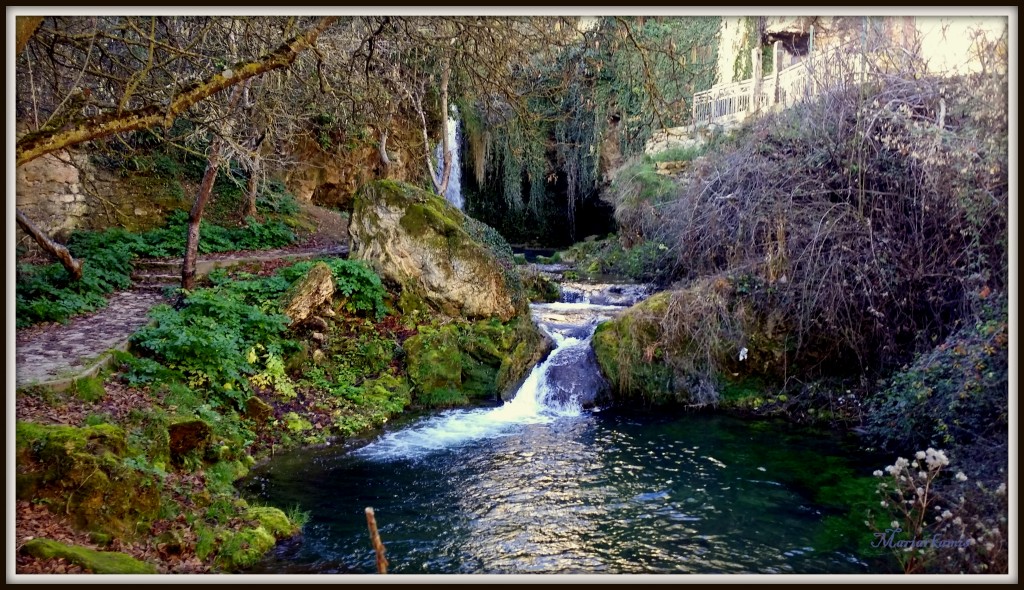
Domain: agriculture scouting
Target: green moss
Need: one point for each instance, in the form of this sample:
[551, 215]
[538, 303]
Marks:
[85, 472]
[97, 562]
[296, 424]
[273, 520]
[628, 352]
[89, 389]
[434, 361]
[242, 549]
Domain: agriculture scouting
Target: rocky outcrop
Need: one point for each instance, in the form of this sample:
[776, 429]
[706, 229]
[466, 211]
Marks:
[417, 241]
[699, 345]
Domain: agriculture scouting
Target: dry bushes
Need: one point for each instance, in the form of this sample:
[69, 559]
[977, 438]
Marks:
[873, 214]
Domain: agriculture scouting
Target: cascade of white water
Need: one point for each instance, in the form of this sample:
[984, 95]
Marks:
[571, 327]
[453, 192]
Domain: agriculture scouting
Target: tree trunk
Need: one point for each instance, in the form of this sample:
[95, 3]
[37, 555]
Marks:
[439, 178]
[252, 188]
[73, 266]
[195, 216]
[383, 150]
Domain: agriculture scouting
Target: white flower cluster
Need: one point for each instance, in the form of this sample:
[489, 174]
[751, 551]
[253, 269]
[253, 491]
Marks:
[934, 459]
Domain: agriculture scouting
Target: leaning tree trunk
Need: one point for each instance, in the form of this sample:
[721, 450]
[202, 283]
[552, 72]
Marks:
[195, 216]
[73, 266]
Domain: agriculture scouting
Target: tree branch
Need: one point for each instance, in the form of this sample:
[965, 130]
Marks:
[34, 145]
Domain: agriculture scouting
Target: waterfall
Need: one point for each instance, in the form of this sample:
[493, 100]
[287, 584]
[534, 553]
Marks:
[453, 193]
[554, 389]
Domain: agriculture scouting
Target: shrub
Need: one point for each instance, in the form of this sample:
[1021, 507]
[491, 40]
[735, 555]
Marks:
[933, 521]
[955, 395]
[877, 210]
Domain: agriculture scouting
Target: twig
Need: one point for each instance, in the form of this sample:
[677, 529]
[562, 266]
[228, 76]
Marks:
[378, 546]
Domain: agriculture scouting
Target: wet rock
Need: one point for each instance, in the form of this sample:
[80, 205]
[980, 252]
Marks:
[574, 377]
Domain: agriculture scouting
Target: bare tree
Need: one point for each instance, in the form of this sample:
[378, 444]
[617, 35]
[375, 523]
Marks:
[110, 75]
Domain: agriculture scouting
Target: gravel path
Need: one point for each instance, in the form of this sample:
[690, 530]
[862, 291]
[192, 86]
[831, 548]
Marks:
[58, 351]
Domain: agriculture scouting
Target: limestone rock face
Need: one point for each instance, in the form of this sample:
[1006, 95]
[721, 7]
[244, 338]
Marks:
[415, 239]
[315, 289]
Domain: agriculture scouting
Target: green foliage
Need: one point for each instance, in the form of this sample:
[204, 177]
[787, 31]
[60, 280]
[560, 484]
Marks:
[954, 395]
[679, 154]
[208, 341]
[644, 262]
[46, 293]
[360, 287]
[170, 240]
[275, 198]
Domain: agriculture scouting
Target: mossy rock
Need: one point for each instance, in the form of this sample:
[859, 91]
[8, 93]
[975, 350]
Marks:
[83, 471]
[683, 346]
[258, 410]
[189, 437]
[539, 288]
[434, 360]
[417, 241]
[525, 346]
[242, 549]
[97, 562]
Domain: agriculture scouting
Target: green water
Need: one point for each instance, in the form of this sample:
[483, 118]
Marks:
[606, 492]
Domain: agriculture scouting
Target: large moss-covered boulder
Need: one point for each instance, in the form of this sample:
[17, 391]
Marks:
[97, 562]
[419, 242]
[627, 352]
[84, 472]
[699, 345]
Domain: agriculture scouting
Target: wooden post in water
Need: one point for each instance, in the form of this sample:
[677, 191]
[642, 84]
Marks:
[378, 546]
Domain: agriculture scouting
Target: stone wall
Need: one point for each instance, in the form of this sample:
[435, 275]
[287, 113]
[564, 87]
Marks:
[49, 191]
[65, 191]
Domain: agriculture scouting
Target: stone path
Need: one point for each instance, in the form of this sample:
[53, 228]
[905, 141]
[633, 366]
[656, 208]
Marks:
[54, 356]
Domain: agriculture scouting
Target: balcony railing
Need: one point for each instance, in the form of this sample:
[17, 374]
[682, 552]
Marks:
[780, 89]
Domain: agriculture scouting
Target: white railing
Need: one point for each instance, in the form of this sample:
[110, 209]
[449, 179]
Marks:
[781, 89]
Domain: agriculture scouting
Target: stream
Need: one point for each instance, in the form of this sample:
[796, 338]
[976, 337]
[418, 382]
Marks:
[545, 483]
